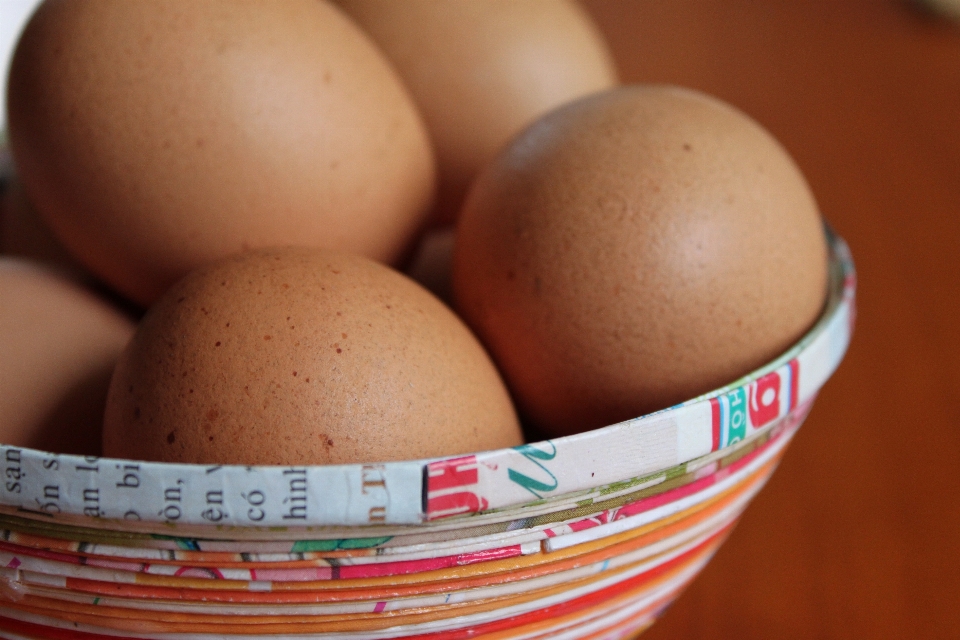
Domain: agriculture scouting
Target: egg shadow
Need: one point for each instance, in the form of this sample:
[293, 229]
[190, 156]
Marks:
[75, 424]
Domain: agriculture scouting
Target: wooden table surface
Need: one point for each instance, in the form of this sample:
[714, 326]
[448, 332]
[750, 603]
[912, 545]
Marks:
[858, 533]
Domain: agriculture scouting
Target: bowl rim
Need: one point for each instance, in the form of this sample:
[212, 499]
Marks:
[175, 498]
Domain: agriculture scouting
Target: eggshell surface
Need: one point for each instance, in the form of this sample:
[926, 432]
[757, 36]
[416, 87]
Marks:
[58, 346]
[296, 356]
[633, 250]
[154, 137]
[482, 70]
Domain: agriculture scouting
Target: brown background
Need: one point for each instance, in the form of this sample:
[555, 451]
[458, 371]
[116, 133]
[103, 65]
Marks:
[858, 533]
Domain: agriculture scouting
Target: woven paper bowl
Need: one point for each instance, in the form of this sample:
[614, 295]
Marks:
[587, 536]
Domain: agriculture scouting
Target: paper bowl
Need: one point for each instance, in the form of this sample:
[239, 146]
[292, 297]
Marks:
[586, 536]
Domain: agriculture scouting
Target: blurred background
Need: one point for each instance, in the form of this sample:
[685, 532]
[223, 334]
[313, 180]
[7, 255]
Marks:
[858, 533]
[13, 16]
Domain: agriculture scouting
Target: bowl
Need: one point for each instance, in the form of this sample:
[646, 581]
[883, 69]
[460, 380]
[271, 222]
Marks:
[585, 536]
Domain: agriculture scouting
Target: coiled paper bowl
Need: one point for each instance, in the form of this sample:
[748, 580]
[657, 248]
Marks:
[586, 536]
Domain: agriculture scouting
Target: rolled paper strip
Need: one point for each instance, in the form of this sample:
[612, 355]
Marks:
[344, 540]
[629, 517]
[18, 540]
[612, 567]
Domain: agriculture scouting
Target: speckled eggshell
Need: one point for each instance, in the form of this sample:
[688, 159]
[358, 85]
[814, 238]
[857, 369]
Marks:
[636, 249]
[154, 137]
[296, 356]
[482, 70]
[58, 347]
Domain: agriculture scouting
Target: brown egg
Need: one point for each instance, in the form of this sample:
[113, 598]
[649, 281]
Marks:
[636, 249]
[298, 356]
[482, 70]
[154, 137]
[58, 346]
